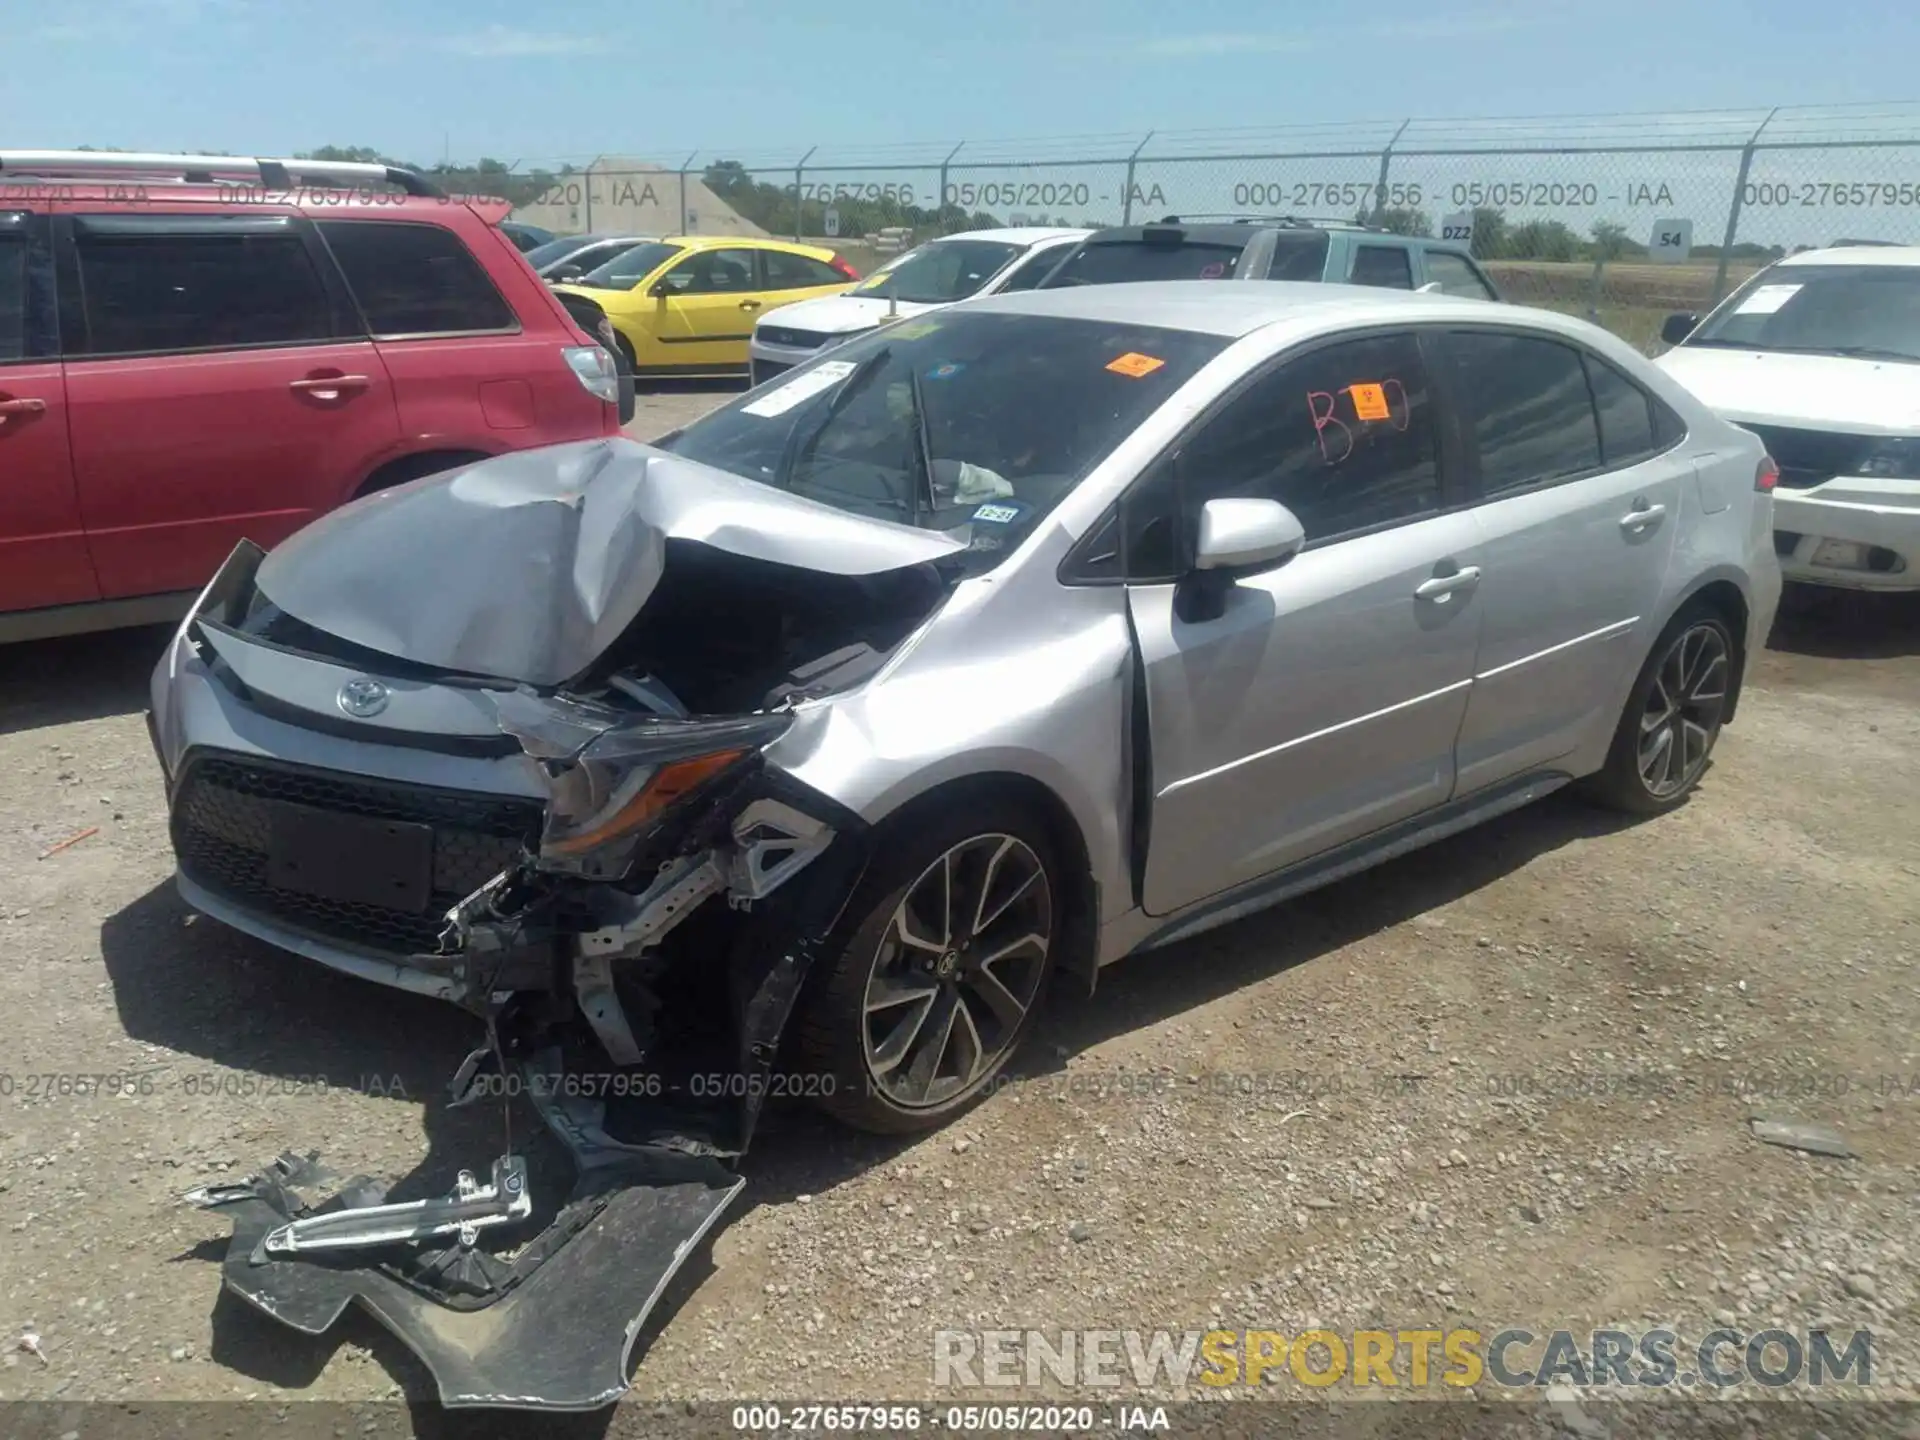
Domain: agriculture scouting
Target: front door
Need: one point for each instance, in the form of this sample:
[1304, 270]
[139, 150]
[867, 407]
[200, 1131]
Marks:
[1323, 704]
[706, 318]
[214, 390]
[1580, 510]
[43, 548]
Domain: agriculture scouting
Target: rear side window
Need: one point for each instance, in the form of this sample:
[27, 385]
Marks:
[786, 271]
[1455, 276]
[1383, 265]
[13, 287]
[1121, 262]
[1299, 257]
[1527, 406]
[1028, 274]
[415, 279]
[1626, 414]
[154, 285]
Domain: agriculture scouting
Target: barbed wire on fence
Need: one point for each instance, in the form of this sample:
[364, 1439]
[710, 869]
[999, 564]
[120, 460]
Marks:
[1563, 209]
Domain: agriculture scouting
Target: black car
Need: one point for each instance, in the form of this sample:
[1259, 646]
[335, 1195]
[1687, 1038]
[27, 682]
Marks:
[1278, 248]
[525, 237]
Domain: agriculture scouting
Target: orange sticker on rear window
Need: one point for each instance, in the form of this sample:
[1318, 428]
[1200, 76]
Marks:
[1135, 364]
[1370, 402]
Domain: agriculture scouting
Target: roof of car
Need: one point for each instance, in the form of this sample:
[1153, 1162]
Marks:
[1857, 255]
[1233, 308]
[721, 242]
[1018, 234]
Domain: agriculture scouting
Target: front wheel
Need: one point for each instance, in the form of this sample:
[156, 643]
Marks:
[940, 975]
[1672, 718]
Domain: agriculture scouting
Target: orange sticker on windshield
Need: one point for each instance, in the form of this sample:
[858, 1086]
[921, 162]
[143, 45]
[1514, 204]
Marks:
[1370, 402]
[1134, 364]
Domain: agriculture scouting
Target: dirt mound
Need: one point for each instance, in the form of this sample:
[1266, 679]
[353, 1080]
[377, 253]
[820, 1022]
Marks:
[616, 195]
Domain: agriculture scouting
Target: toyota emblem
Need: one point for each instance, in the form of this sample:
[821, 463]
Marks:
[363, 698]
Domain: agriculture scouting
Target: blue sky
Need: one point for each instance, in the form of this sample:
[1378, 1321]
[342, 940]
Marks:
[768, 77]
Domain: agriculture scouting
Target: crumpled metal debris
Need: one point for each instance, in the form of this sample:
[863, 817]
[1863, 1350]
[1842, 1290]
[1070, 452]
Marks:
[1814, 1139]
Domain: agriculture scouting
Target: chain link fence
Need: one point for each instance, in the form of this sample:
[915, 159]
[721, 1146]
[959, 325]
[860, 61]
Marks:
[1622, 219]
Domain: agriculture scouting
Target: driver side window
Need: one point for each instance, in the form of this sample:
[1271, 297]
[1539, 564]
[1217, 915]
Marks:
[1343, 436]
[712, 272]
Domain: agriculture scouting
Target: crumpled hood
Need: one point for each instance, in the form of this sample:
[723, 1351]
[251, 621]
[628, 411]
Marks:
[1818, 392]
[839, 314]
[527, 566]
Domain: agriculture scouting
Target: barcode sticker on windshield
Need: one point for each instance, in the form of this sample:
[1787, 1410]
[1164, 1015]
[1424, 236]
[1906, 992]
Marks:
[1766, 299]
[782, 398]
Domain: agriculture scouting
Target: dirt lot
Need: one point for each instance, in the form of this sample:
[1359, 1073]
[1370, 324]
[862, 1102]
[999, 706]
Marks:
[1589, 1012]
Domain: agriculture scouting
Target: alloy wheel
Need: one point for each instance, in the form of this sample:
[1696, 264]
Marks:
[957, 970]
[1683, 710]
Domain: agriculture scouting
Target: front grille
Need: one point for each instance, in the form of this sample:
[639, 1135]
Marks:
[765, 370]
[1811, 457]
[794, 339]
[222, 819]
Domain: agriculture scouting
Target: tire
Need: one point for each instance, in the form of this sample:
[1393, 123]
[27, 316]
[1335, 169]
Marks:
[1661, 747]
[901, 1066]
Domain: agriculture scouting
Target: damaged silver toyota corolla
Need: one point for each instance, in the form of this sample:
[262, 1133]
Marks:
[797, 750]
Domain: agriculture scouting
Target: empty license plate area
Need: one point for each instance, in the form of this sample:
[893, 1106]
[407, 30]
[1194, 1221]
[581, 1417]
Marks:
[352, 858]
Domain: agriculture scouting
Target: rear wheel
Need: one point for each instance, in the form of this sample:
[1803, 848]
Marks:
[1672, 719]
[940, 976]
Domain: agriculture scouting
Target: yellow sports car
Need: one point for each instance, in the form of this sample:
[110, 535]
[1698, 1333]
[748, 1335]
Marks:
[686, 305]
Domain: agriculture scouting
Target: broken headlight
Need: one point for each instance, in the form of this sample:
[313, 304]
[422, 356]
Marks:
[612, 778]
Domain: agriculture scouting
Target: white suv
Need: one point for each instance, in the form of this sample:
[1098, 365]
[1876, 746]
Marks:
[1819, 355]
[940, 272]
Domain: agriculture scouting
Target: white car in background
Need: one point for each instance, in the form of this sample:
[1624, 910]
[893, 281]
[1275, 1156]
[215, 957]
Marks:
[941, 272]
[1819, 355]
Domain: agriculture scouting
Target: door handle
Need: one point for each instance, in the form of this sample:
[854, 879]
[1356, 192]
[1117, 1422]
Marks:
[1641, 516]
[1441, 586]
[328, 386]
[751, 304]
[31, 406]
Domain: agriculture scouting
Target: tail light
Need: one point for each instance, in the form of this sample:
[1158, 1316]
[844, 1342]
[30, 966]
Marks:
[839, 262]
[1767, 475]
[593, 367]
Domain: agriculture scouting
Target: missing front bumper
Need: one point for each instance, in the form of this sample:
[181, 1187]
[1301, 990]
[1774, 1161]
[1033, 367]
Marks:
[549, 1325]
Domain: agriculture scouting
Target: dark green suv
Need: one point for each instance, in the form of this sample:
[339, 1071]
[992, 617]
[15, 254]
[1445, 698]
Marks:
[1282, 248]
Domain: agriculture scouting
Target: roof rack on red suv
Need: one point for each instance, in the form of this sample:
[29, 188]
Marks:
[208, 169]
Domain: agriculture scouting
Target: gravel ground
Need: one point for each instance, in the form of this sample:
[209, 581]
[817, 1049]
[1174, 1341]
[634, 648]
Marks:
[1479, 1138]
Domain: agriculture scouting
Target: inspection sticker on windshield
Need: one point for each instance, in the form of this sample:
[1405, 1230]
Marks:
[998, 514]
[778, 401]
[1134, 364]
[1370, 402]
[1766, 299]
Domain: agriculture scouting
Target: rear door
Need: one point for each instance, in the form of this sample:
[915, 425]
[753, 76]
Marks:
[43, 547]
[1579, 507]
[216, 388]
[786, 277]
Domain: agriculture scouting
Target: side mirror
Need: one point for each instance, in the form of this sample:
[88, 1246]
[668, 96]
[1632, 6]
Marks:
[1236, 538]
[659, 290]
[566, 273]
[1432, 287]
[1678, 327]
[1244, 537]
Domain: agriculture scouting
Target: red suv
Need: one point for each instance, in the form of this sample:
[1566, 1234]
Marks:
[186, 361]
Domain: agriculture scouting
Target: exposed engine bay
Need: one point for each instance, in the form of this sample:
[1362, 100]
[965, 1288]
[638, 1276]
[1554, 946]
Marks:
[635, 964]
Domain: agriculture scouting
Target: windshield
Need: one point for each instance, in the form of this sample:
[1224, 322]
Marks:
[940, 272]
[1868, 310]
[629, 267]
[1117, 262]
[972, 424]
[557, 249]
